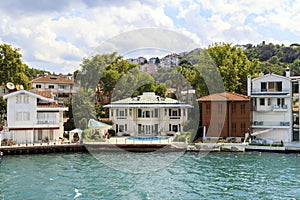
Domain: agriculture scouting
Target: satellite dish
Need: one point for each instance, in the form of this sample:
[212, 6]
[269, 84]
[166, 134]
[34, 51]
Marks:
[10, 85]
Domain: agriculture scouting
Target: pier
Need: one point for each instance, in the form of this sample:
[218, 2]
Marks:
[38, 149]
[98, 147]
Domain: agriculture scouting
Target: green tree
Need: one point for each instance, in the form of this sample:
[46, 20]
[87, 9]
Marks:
[2, 109]
[233, 65]
[12, 68]
[295, 67]
[83, 107]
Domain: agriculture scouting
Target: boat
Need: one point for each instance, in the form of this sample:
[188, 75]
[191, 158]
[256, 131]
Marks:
[1, 156]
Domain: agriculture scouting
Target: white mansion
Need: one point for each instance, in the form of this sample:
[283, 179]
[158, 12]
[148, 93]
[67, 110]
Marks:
[32, 117]
[148, 114]
[275, 107]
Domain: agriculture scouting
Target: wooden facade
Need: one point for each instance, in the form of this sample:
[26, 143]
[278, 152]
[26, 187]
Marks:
[225, 115]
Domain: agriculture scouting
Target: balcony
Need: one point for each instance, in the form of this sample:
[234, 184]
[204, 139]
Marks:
[49, 121]
[274, 108]
[270, 124]
[262, 91]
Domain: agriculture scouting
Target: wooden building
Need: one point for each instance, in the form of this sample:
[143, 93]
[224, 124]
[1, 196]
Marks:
[225, 115]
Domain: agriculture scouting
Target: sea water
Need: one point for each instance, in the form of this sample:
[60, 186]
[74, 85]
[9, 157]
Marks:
[249, 175]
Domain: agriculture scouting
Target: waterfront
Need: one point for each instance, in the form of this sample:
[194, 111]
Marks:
[249, 175]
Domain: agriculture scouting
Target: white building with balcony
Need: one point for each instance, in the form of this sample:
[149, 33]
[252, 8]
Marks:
[148, 115]
[33, 118]
[271, 97]
[62, 87]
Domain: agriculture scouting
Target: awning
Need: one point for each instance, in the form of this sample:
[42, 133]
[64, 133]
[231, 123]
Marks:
[261, 132]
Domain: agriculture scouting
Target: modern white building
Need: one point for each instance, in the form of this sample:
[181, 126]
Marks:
[272, 111]
[148, 115]
[33, 118]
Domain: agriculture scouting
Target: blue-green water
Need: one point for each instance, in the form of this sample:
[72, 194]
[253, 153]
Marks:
[249, 175]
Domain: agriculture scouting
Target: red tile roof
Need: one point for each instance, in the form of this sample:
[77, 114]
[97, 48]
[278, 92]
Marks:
[52, 79]
[225, 96]
[46, 94]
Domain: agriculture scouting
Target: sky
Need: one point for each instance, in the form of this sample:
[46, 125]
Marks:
[55, 35]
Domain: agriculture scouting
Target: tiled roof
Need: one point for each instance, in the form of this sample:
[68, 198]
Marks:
[46, 94]
[225, 96]
[52, 79]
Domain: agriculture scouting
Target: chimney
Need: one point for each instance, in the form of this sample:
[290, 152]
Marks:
[287, 72]
[249, 85]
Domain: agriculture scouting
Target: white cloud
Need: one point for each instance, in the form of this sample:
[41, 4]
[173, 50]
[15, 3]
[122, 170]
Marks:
[58, 37]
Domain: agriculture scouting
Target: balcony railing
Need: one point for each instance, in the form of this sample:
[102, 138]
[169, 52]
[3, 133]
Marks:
[274, 108]
[285, 90]
[270, 123]
[54, 121]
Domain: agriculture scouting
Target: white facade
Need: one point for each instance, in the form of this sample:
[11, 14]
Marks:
[30, 117]
[271, 97]
[148, 115]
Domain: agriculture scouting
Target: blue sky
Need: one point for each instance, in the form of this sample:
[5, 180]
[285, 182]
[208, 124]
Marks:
[56, 35]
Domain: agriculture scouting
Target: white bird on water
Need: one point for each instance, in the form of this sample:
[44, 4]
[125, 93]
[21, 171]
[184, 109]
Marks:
[78, 194]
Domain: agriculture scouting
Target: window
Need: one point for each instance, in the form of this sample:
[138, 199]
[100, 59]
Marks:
[262, 101]
[121, 128]
[121, 113]
[40, 135]
[280, 102]
[51, 135]
[38, 86]
[22, 116]
[208, 109]
[233, 128]
[155, 128]
[144, 113]
[22, 99]
[140, 130]
[220, 126]
[62, 87]
[275, 86]
[51, 86]
[243, 127]
[155, 113]
[175, 113]
[263, 86]
[233, 111]
[175, 128]
[243, 109]
[220, 108]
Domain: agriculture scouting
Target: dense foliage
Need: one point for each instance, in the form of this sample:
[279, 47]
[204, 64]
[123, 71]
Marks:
[275, 58]
[12, 68]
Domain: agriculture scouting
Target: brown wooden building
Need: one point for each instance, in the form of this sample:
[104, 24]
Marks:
[225, 115]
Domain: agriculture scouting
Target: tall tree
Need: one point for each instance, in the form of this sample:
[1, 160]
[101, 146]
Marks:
[12, 68]
[233, 65]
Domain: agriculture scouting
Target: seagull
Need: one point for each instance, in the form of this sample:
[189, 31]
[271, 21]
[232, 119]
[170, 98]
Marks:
[78, 194]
